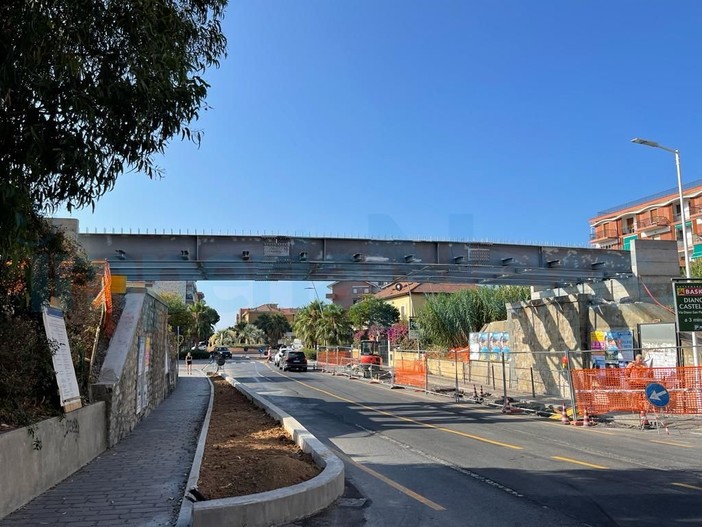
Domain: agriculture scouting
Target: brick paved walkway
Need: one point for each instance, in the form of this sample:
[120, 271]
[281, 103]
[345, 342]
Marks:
[140, 481]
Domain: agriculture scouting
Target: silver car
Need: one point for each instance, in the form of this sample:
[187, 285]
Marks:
[278, 356]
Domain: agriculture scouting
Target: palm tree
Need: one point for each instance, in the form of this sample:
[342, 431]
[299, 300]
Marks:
[274, 326]
[250, 335]
[335, 327]
[308, 323]
[202, 327]
[224, 337]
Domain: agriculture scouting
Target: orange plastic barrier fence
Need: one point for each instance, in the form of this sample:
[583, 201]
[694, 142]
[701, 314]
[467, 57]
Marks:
[619, 389]
[410, 372]
[334, 357]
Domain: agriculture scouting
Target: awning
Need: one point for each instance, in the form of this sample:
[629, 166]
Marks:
[626, 241]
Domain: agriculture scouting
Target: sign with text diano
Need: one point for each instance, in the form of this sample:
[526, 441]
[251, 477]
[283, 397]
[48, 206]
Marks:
[688, 305]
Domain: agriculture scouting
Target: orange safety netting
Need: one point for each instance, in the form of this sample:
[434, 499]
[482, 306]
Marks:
[410, 372]
[104, 298]
[334, 357]
[618, 389]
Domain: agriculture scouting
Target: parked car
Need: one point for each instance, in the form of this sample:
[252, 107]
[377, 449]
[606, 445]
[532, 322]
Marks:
[279, 356]
[223, 351]
[293, 360]
[201, 346]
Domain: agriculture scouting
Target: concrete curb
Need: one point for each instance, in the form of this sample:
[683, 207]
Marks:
[281, 505]
[186, 506]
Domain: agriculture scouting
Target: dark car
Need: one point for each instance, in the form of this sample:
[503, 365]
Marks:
[294, 360]
[223, 351]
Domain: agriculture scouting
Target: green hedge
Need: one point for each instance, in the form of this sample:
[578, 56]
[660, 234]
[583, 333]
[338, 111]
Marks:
[311, 354]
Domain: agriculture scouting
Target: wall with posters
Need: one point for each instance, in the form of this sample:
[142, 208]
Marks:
[135, 375]
[489, 345]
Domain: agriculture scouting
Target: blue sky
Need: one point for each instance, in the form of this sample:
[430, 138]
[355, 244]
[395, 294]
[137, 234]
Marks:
[505, 121]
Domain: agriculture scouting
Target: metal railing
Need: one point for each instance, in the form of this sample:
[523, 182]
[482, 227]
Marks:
[651, 223]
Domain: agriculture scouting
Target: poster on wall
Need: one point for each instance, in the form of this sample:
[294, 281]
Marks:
[474, 342]
[659, 344]
[484, 344]
[143, 363]
[613, 347]
[55, 328]
[489, 346]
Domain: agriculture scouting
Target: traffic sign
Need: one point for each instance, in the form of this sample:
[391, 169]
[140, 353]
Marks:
[688, 305]
[414, 330]
[657, 395]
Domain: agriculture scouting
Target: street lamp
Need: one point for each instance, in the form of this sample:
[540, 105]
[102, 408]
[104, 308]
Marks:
[686, 250]
[315, 292]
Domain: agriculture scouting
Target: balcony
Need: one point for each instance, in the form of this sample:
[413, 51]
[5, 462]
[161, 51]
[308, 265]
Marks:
[695, 211]
[653, 224]
[605, 235]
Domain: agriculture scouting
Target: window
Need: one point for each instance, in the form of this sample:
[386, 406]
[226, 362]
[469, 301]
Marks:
[629, 224]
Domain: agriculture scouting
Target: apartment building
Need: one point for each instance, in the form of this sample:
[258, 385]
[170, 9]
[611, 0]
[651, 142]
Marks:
[250, 315]
[655, 217]
[347, 293]
[187, 291]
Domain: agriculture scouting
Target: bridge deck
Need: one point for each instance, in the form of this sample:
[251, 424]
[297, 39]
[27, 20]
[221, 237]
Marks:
[226, 257]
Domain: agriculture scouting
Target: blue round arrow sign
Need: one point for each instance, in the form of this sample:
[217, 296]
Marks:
[657, 395]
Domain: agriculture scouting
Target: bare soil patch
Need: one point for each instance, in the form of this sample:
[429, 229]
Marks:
[247, 451]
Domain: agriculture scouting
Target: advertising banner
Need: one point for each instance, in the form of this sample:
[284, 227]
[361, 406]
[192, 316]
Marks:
[55, 328]
[688, 305]
[489, 345]
[613, 347]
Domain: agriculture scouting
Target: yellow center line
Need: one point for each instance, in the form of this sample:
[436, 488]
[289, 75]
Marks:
[583, 463]
[683, 445]
[693, 487]
[410, 420]
[392, 483]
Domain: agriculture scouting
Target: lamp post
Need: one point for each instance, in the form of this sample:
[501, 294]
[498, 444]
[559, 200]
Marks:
[686, 250]
[315, 291]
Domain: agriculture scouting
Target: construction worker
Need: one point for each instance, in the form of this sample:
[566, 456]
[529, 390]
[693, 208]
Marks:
[638, 373]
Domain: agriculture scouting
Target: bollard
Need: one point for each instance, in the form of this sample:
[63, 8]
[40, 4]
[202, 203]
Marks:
[564, 415]
[586, 418]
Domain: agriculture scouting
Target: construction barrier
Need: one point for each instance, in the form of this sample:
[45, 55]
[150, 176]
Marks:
[333, 359]
[340, 361]
[410, 372]
[618, 389]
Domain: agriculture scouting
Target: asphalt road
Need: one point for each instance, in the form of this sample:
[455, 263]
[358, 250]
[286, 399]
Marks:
[418, 460]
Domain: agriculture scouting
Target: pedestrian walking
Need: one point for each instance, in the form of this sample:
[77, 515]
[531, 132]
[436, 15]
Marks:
[189, 363]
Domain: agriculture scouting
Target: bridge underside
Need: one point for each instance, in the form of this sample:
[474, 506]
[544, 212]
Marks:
[201, 257]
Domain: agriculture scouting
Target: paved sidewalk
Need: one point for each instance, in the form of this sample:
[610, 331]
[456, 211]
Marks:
[141, 480]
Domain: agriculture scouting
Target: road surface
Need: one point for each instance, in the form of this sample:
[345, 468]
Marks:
[420, 460]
